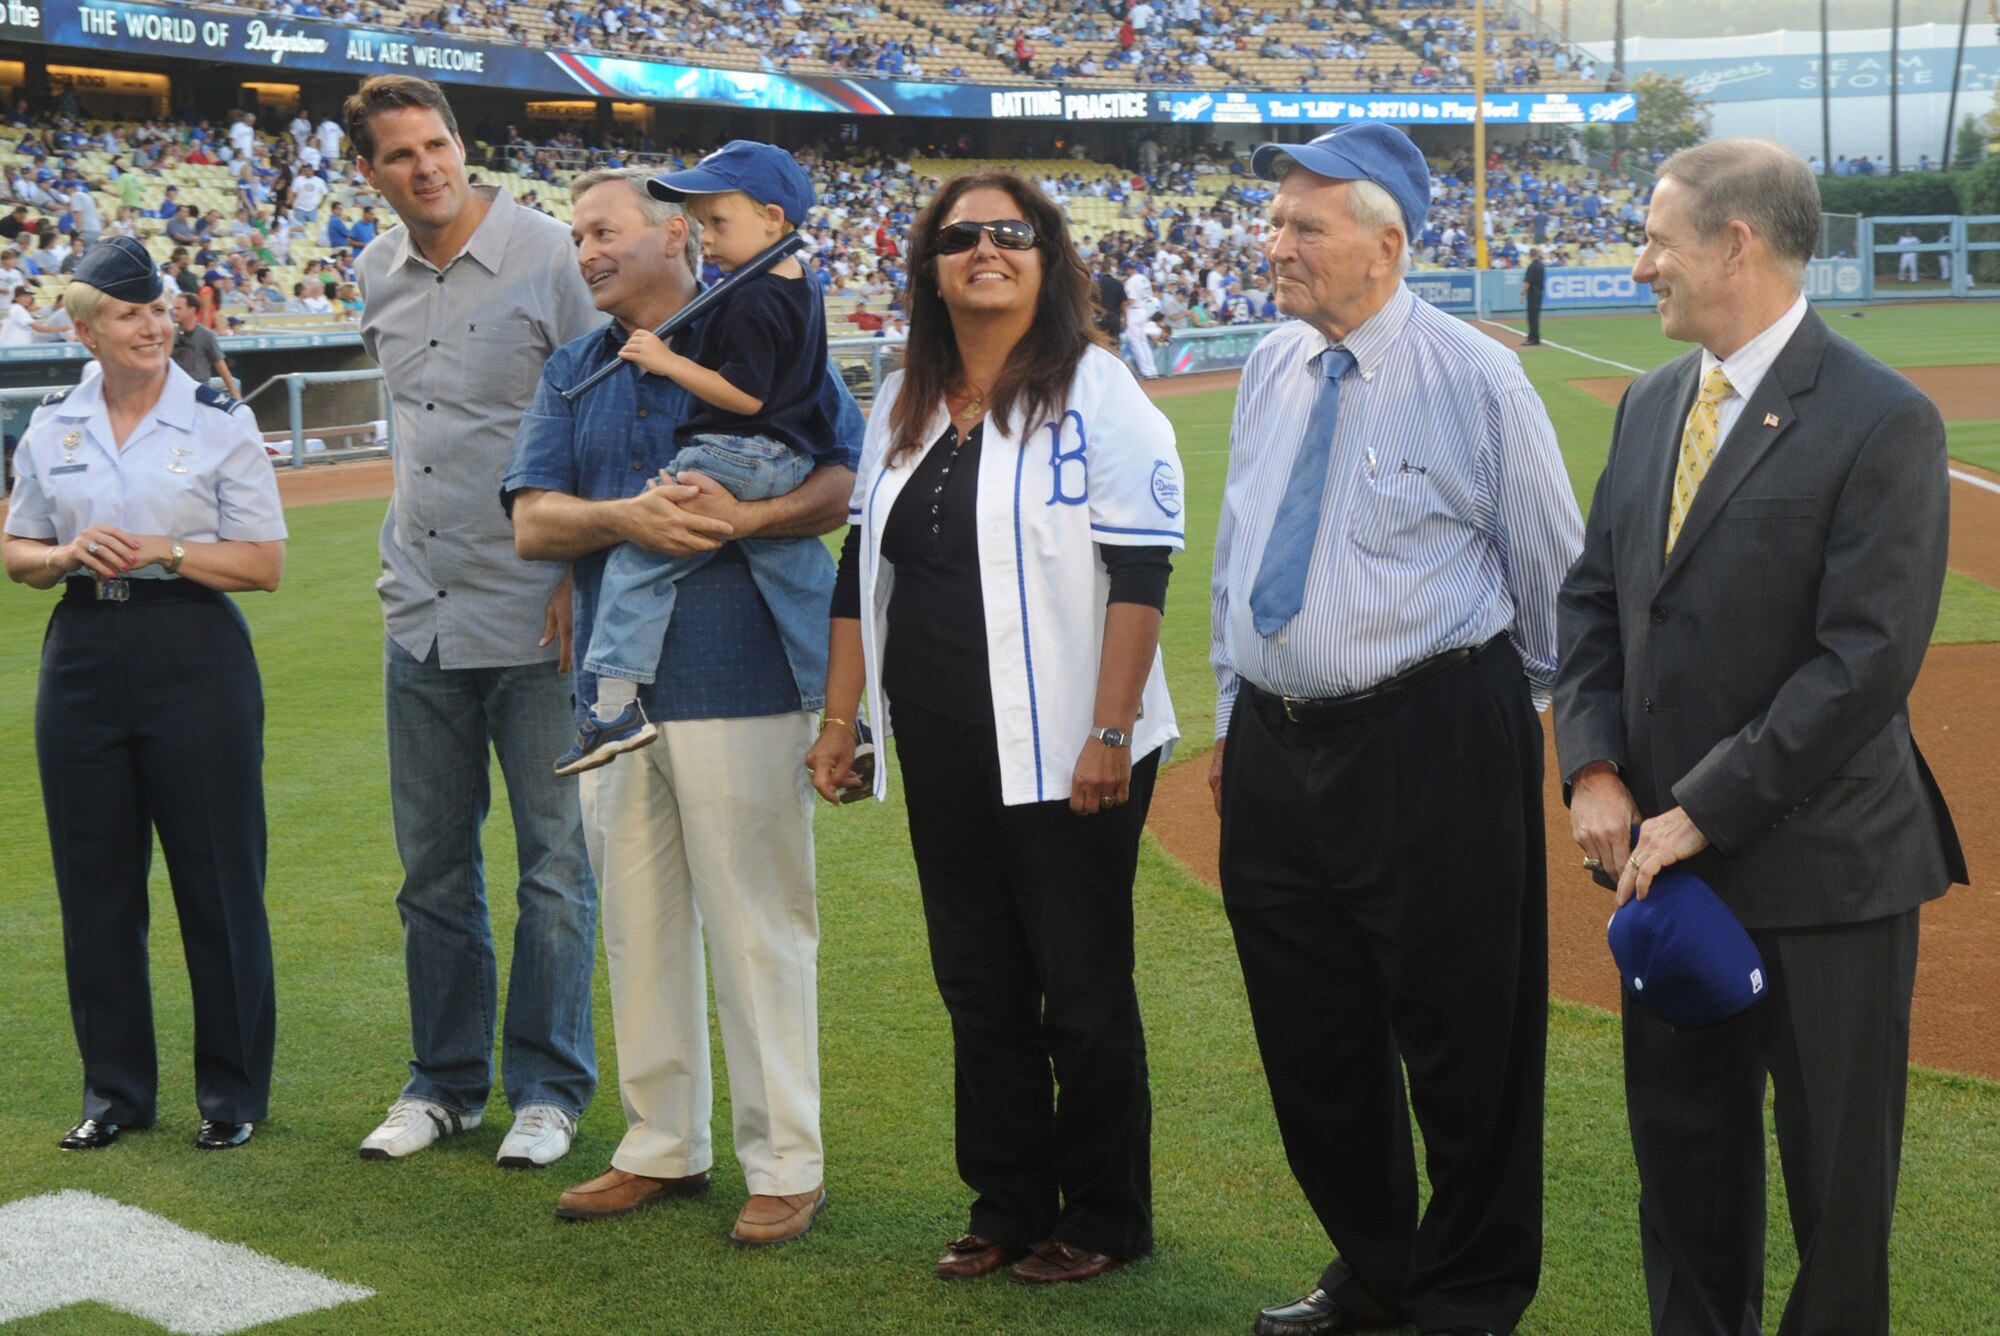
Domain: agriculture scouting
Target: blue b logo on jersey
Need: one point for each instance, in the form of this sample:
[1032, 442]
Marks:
[1060, 460]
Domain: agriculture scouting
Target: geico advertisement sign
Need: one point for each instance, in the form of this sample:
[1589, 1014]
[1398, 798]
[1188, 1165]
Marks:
[1595, 285]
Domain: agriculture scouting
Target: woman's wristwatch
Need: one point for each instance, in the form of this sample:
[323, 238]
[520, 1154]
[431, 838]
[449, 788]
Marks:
[1112, 736]
[173, 566]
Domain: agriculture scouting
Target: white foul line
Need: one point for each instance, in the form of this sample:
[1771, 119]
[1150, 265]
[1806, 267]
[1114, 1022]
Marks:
[1983, 483]
[1565, 348]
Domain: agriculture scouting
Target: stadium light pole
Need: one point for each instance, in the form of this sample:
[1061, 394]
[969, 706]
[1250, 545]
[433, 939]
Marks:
[1826, 96]
[1479, 134]
[1951, 103]
[1895, 84]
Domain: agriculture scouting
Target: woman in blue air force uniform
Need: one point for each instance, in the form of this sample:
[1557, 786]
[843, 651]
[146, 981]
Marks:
[145, 496]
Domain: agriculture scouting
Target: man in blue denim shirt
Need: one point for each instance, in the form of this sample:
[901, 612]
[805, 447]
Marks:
[709, 831]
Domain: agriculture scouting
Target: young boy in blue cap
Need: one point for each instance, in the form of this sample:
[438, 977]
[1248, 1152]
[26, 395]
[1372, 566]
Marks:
[756, 368]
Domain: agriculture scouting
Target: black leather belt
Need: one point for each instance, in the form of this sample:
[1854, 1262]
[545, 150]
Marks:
[77, 589]
[1325, 709]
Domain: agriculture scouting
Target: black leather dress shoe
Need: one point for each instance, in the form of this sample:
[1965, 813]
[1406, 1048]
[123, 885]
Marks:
[91, 1134]
[222, 1136]
[1318, 1314]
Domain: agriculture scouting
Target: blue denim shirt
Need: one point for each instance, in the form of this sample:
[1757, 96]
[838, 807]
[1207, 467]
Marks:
[723, 657]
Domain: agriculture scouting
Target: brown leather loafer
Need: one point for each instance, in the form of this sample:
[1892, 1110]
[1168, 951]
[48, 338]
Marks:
[766, 1220]
[972, 1256]
[1054, 1263]
[616, 1192]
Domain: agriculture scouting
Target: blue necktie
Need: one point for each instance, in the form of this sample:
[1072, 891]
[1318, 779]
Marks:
[1280, 587]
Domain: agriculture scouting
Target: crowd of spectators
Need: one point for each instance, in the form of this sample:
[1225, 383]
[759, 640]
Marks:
[73, 181]
[1179, 43]
[1193, 225]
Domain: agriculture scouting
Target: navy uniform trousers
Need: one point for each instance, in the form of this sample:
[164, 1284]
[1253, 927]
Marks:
[151, 717]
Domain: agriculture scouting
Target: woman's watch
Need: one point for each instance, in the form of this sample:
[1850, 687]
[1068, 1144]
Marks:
[173, 565]
[1112, 736]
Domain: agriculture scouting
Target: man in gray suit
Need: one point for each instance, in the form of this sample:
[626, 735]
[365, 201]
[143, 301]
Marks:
[1759, 579]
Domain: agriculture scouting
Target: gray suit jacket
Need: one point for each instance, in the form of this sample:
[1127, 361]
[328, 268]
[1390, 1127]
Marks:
[1759, 677]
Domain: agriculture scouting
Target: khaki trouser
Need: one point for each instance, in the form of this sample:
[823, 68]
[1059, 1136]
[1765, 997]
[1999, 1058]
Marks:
[708, 834]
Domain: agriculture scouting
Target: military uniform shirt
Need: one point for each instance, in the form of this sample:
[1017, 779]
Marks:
[193, 469]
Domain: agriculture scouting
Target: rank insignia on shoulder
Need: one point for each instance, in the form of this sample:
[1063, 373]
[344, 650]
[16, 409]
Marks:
[51, 399]
[214, 398]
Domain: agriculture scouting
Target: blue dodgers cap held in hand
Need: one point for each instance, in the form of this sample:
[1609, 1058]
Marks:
[120, 267]
[1362, 151]
[1683, 954]
[766, 174]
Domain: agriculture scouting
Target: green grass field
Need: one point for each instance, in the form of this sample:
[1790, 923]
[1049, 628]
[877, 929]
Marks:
[451, 1243]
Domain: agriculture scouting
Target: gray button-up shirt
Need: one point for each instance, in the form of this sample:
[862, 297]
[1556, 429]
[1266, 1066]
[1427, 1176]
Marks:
[462, 349]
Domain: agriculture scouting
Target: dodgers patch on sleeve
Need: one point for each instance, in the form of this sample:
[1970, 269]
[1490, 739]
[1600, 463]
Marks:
[1166, 489]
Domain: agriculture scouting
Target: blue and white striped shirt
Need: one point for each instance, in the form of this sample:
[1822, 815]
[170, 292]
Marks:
[1447, 520]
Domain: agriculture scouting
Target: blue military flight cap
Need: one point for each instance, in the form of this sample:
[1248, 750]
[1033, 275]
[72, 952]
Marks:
[1362, 151]
[1683, 954]
[766, 174]
[120, 267]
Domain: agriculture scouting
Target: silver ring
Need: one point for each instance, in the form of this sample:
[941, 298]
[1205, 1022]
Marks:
[1593, 865]
[91, 549]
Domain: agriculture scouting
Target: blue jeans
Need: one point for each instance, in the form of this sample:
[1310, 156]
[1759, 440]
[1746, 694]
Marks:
[441, 724]
[636, 601]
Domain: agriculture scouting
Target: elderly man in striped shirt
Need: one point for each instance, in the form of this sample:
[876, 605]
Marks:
[1395, 529]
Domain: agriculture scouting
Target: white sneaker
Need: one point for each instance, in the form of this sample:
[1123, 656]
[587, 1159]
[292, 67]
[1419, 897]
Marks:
[541, 1135]
[412, 1125]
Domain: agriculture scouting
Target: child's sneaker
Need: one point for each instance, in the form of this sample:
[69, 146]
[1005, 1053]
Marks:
[597, 743]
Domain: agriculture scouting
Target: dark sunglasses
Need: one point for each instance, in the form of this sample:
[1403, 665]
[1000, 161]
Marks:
[1008, 234]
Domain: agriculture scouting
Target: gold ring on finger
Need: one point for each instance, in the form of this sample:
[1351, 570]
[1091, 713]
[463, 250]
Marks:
[1593, 865]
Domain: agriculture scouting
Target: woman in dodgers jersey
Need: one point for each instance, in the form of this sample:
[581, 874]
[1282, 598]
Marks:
[1000, 598]
[144, 496]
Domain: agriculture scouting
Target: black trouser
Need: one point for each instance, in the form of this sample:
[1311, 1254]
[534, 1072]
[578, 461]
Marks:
[1029, 910]
[1534, 319]
[1833, 1032]
[1385, 876]
[151, 717]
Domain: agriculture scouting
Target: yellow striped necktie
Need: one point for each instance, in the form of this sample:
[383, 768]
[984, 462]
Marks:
[1697, 451]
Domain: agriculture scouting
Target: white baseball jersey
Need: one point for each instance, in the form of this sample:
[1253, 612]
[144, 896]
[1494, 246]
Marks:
[1105, 472]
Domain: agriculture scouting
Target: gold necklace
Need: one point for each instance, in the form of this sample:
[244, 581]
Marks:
[973, 406]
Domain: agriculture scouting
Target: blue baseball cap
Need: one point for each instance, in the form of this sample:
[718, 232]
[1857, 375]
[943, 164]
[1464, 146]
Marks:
[1683, 954]
[1362, 151]
[120, 267]
[766, 174]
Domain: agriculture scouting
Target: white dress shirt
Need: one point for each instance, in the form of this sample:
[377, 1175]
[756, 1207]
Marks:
[1747, 367]
[1447, 518]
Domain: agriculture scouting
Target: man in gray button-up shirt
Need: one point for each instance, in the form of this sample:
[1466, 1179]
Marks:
[465, 299]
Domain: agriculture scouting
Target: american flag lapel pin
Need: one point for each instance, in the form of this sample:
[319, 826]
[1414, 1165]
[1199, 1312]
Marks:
[1770, 419]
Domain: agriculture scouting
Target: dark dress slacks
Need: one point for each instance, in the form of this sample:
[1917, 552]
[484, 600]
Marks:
[1385, 876]
[1029, 911]
[1832, 1032]
[150, 717]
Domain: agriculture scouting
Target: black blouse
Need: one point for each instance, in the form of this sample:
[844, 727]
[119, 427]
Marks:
[937, 656]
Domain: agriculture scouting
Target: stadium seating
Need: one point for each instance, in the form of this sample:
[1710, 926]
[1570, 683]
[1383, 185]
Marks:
[1193, 46]
[1113, 209]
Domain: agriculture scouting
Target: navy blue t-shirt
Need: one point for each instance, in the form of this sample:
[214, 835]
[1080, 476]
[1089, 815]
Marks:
[767, 339]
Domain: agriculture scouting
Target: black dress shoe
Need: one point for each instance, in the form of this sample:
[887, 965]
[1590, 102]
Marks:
[222, 1136]
[1457, 1331]
[91, 1134]
[1318, 1314]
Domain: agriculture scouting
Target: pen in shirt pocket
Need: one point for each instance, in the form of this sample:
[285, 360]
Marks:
[1371, 461]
